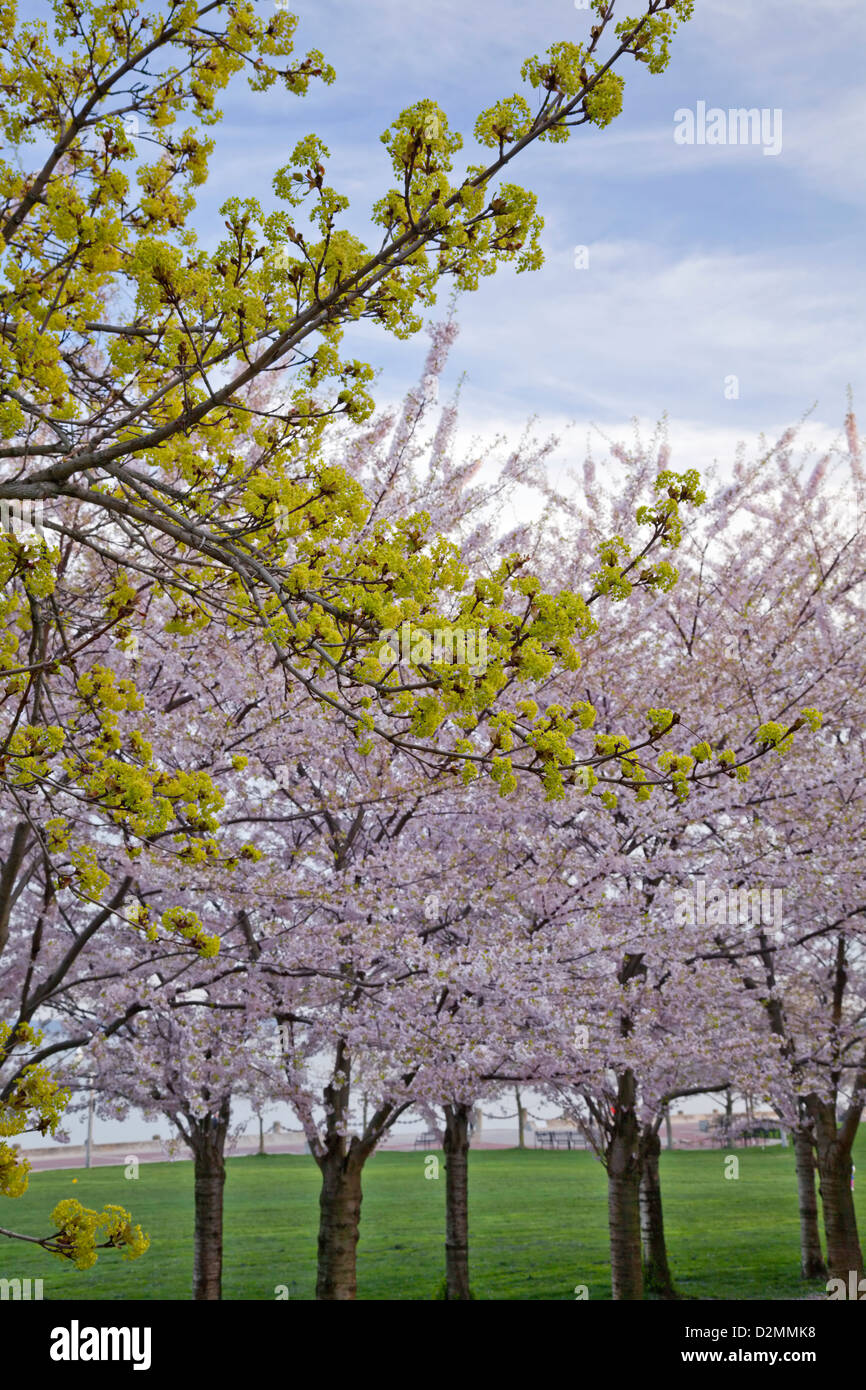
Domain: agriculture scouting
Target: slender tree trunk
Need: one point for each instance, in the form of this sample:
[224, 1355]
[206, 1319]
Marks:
[729, 1114]
[656, 1271]
[812, 1264]
[456, 1147]
[623, 1196]
[521, 1120]
[669, 1134]
[208, 1136]
[837, 1200]
[339, 1223]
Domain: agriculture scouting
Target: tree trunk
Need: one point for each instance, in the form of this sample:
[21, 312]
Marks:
[521, 1120]
[812, 1264]
[341, 1163]
[623, 1196]
[729, 1115]
[208, 1135]
[837, 1200]
[656, 1271]
[339, 1223]
[456, 1145]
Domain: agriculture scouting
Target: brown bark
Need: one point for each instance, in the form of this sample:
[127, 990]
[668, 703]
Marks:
[456, 1146]
[207, 1136]
[341, 1162]
[833, 1150]
[623, 1195]
[729, 1111]
[339, 1222]
[15, 859]
[656, 1271]
[812, 1264]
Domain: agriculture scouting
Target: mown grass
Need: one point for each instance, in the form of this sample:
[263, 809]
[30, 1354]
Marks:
[538, 1227]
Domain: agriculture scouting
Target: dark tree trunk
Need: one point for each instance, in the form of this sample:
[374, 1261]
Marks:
[623, 1195]
[656, 1271]
[521, 1120]
[456, 1147]
[729, 1116]
[339, 1222]
[837, 1200]
[812, 1264]
[208, 1137]
[341, 1164]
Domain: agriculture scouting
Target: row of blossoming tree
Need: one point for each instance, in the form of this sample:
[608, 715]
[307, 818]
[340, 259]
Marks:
[391, 926]
[249, 848]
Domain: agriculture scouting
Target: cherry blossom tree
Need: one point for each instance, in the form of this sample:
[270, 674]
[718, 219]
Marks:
[775, 615]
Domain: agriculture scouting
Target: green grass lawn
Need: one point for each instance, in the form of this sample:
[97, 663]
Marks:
[538, 1227]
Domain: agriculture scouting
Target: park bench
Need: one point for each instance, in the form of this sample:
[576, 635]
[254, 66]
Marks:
[428, 1140]
[762, 1132]
[571, 1139]
[559, 1139]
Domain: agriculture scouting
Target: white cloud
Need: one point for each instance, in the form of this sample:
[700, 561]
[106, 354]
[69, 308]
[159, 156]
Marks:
[645, 330]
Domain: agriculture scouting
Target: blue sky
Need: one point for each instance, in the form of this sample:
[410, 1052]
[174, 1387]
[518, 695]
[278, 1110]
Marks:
[705, 262]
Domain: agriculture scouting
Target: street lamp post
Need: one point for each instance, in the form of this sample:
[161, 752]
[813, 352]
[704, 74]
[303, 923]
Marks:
[77, 1058]
[87, 1146]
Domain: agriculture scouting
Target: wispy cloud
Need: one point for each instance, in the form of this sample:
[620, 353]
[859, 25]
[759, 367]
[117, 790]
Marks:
[706, 262]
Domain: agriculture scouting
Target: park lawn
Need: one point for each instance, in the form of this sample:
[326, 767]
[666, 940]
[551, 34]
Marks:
[538, 1227]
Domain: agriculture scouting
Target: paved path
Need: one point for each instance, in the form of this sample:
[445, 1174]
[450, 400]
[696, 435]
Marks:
[686, 1136]
[147, 1151]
